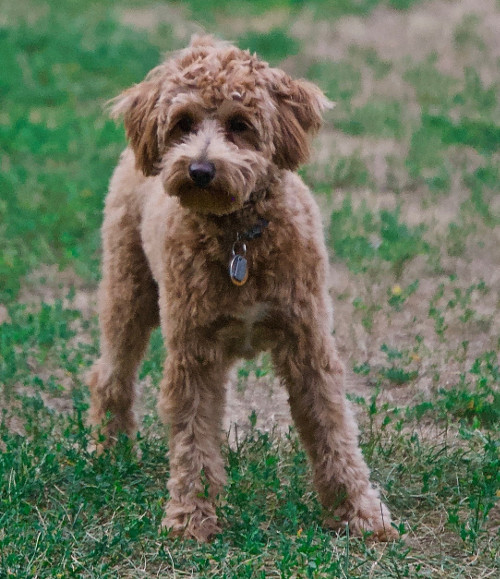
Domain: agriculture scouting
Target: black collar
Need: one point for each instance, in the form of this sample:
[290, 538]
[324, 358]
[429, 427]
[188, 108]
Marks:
[240, 219]
[255, 231]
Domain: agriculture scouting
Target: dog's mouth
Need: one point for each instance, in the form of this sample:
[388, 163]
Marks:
[206, 199]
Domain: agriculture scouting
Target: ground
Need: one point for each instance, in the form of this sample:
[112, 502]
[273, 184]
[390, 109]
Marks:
[406, 175]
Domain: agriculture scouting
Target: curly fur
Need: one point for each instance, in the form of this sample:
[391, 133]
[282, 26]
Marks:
[167, 242]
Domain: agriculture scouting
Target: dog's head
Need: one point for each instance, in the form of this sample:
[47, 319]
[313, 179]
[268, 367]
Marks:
[215, 123]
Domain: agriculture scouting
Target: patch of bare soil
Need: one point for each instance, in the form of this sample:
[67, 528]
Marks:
[175, 17]
[438, 362]
[274, 18]
[4, 315]
[398, 35]
[47, 284]
[266, 397]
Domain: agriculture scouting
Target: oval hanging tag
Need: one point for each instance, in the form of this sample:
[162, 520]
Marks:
[238, 270]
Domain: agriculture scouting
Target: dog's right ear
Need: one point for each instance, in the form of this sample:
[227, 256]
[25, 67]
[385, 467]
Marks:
[139, 107]
[300, 105]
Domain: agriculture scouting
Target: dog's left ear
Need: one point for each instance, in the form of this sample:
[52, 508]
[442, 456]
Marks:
[139, 107]
[299, 106]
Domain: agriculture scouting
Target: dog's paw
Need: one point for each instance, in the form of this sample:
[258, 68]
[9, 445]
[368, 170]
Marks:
[366, 517]
[374, 526]
[100, 441]
[191, 520]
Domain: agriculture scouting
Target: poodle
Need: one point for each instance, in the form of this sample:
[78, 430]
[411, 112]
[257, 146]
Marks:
[209, 232]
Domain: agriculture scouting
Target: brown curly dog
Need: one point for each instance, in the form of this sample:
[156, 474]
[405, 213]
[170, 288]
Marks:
[209, 231]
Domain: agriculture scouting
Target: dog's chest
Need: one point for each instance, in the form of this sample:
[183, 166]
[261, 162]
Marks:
[246, 331]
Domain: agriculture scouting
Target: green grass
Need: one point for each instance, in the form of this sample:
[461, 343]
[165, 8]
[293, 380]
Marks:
[364, 239]
[332, 10]
[378, 118]
[408, 183]
[275, 43]
[56, 78]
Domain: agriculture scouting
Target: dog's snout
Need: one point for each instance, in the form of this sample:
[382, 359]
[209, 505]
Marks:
[202, 173]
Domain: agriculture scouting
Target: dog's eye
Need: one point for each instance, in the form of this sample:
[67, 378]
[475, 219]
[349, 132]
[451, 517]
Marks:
[184, 124]
[237, 125]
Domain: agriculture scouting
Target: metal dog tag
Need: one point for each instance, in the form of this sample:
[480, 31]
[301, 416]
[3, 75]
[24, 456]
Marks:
[238, 270]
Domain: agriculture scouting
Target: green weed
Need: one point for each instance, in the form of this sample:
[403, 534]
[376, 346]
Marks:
[378, 118]
[361, 238]
[427, 160]
[475, 99]
[341, 80]
[482, 184]
[475, 398]
[259, 368]
[367, 310]
[397, 371]
[397, 296]
[274, 45]
[466, 34]
[456, 303]
[432, 87]
[479, 134]
[403, 4]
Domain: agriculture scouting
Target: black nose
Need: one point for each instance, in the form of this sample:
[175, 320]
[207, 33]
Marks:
[202, 173]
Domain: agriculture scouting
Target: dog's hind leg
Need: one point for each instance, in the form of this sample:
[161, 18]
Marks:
[128, 310]
[314, 378]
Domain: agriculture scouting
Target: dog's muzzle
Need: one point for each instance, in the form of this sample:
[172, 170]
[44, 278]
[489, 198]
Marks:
[202, 173]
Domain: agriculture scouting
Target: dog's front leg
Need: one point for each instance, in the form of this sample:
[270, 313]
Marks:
[192, 401]
[128, 311]
[314, 378]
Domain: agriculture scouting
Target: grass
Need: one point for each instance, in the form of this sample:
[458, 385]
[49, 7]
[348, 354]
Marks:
[56, 79]
[363, 239]
[407, 179]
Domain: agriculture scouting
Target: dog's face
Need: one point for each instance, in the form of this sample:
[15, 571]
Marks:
[215, 123]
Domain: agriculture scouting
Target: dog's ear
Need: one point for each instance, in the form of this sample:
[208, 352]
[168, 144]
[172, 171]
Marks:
[139, 107]
[299, 106]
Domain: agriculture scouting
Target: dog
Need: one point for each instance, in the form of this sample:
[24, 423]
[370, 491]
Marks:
[209, 232]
